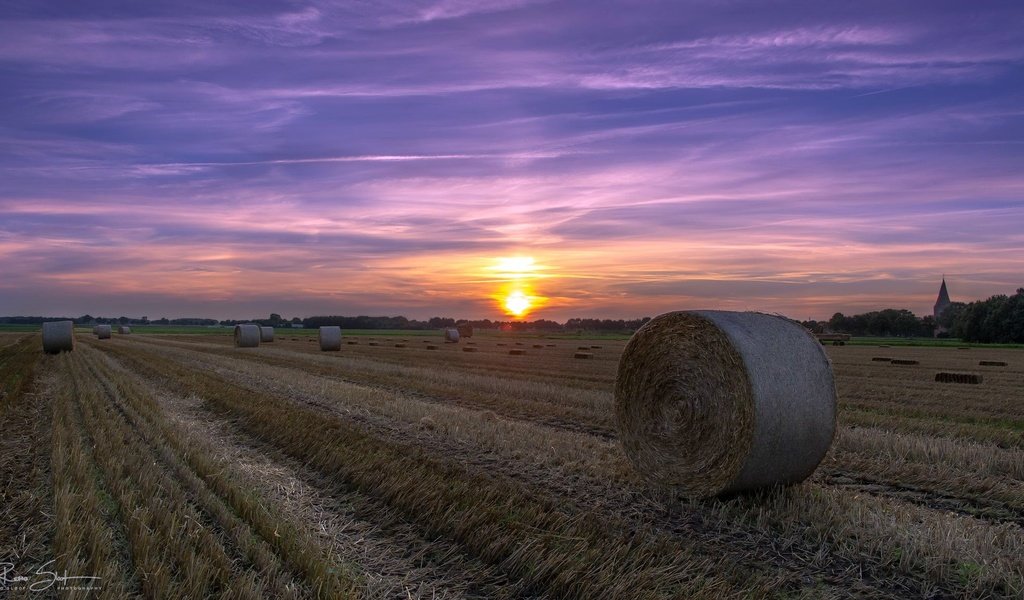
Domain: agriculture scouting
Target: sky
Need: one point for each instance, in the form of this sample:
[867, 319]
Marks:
[435, 157]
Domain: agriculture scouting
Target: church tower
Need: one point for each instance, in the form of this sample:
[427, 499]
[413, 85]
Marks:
[941, 304]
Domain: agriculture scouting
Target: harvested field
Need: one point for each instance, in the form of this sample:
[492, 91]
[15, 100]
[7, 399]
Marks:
[182, 463]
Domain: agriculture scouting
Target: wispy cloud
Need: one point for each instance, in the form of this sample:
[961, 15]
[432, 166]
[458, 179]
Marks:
[800, 160]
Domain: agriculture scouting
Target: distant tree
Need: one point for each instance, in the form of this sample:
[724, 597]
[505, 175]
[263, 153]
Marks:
[999, 319]
[275, 319]
[85, 319]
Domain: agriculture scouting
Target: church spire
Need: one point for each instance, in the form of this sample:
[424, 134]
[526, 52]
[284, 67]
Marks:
[943, 300]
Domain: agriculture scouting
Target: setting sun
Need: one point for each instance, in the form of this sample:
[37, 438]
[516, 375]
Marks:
[517, 303]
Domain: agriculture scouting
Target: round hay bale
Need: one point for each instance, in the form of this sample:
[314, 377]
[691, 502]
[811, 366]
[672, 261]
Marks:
[352, 343]
[470, 349]
[992, 363]
[583, 347]
[330, 338]
[266, 334]
[713, 402]
[124, 330]
[451, 336]
[903, 361]
[399, 345]
[880, 359]
[538, 345]
[963, 347]
[596, 347]
[103, 331]
[58, 336]
[583, 355]
[517, 352]
[247, 336]
[552, 345]
[373, 344]
[501, 343]
[431, 347]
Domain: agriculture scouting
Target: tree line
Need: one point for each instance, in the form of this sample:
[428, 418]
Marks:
[997, 320]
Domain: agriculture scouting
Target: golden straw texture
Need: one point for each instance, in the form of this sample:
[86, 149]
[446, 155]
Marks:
[712, 402]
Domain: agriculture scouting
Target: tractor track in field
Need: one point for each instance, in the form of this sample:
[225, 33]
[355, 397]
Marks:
[635, 506]
[991, 510]
[506, 409]
[397, 560]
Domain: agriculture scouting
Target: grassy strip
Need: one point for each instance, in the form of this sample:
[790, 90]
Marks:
[91, 537]
[556, 549]
[18, 362]
[252, 526]
[26, 495]
[172, 551]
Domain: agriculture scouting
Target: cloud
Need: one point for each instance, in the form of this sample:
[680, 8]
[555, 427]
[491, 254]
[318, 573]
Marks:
[375, 157]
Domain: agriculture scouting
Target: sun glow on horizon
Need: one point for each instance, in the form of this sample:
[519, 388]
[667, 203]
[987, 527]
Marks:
[517, 303]
[515, 294]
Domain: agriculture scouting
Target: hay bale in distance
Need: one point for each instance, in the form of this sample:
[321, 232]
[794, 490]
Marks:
[972, 378]
[431, 347]
[103, 331]
[517, 352]
[399, 345]
[469, 349]
[58, 336]
[330, 338]
[595, 347]
[501, 343]
[124, 330]
[992, 363]
[713, 402]
[583, 355]
[266, 334]
[373, 344]
[963, 347]
[247, 336]
[903, 361]
[552, 345]
[880, 359]
[538, 345]
[451, 336]
[352, 343]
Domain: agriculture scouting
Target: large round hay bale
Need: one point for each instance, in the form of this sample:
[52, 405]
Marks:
[124, 330]
[330, 338]
[451, 336]
[58, 336]
[713, 402]
[266, 334]
[247, 336]
[103, 332]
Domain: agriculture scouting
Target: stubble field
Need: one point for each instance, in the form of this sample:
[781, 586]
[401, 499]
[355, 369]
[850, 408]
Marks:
[180, 466]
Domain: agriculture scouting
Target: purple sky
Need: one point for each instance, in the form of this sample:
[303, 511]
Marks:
[232, 159]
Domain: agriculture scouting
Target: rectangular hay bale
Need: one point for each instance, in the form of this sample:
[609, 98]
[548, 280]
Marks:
[970, 378]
